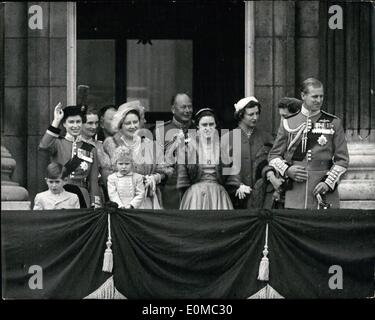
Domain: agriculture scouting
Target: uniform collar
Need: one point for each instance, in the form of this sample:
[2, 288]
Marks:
[91, 140]
[70, 138]
[181, 125]
[307, 113]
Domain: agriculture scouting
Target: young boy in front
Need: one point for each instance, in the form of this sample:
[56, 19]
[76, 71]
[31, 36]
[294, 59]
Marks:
[56, 197]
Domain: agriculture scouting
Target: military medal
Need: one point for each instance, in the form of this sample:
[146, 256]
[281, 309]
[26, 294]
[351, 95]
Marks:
[84, 166]
[323, 127]
[322, 140]
[85, 155]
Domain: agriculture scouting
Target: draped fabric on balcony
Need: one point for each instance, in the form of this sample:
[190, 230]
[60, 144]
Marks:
[188, 254]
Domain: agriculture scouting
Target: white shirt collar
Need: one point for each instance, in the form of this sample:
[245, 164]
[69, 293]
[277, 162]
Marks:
[307, 113]
[59, 195]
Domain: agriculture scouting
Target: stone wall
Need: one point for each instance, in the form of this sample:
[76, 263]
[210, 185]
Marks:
[286, 52]
[35, 81]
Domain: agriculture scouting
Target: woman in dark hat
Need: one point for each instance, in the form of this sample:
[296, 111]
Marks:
[201, 179]
[78, 157]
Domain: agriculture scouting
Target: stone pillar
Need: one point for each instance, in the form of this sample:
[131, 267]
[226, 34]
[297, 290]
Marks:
[35, 73]
[274, 57]
[357, 186]
[307, 41]
[46, 85]
[14, 105]
[13, 196]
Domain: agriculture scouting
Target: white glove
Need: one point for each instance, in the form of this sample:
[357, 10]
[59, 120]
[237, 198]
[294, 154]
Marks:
[150, 182]
[242, 191]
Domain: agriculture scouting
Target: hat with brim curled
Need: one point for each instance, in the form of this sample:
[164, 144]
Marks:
[243, 103]
[123, 110]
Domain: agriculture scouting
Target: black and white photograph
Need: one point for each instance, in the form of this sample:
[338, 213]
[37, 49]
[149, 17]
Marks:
[176, 150]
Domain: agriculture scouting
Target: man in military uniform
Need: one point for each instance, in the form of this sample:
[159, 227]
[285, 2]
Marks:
[166, 134]
[79, 157]
[311, 151]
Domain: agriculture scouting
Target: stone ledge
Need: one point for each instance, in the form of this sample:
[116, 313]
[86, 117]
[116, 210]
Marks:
[357, 189]
[15, 205]
[364, 205]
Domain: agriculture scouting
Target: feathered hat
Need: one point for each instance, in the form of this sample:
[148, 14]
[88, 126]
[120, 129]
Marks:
[123, 110]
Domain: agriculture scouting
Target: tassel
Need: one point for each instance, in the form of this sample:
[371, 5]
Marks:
[264, 266]
[108, 256]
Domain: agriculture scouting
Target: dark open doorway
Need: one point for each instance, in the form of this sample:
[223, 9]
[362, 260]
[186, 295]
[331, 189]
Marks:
[215, 30]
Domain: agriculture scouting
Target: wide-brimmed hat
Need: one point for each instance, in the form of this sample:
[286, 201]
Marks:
[243, 103]
[123, 110]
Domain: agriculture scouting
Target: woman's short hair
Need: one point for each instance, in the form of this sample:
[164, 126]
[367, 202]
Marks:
[238, 115]
[291, 104]
[56, 171]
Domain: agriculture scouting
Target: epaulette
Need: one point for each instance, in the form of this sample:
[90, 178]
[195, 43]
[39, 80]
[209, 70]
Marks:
[328, 114]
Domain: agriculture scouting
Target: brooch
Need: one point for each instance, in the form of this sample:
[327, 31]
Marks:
[322, 140]
[84, 166]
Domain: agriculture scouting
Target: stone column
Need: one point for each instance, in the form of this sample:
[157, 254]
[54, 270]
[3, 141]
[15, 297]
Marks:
[13, 196]
[307, 41]
[46, 85]
[14, 105]
[274, 57]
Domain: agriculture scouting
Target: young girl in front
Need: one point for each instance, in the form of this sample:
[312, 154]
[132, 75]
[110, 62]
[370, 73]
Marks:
[125, 187]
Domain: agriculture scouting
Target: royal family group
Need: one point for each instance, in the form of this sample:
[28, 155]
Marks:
[103, 157]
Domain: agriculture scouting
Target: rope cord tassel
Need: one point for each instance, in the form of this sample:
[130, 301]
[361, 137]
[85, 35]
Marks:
[108, 256]
[263, 274]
